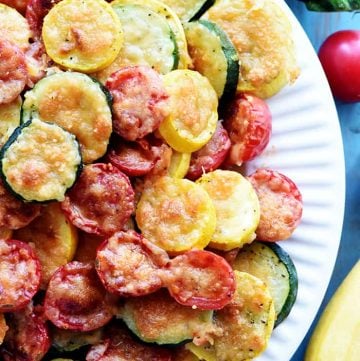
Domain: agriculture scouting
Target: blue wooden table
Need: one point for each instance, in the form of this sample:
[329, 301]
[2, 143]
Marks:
[318, 26]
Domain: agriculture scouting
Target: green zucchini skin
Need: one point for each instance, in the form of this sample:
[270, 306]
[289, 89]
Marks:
[201, 35]
[15, 138]
[273, 265]
[145, 317]
[77, 103]
[206, 5]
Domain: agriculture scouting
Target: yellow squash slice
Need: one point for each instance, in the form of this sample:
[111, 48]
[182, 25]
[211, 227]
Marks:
[237, 208]
[179, 164]
[54, 239]
[176, 214]
[193, 111]
[247, 323]
[3, 327]
[14, 27]
[9, 119]
[82, 35]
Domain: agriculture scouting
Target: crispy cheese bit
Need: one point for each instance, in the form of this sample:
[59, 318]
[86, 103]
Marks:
[84, 35]
[261, 33]
[237, 208]
[193, 111]
[14, 27]
[176, 214]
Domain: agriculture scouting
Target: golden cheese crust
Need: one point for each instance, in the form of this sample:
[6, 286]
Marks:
[75, 102]
[14, 27]
[261, 33]
[82, 35]
[237, 208]
[176, 214]
[42, 162]
[247, 321]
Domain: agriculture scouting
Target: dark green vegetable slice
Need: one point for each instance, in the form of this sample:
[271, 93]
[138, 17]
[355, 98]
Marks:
[213, 55]
[273, 265]
[40, 161]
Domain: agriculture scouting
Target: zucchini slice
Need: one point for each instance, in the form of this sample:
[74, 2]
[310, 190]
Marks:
[189, 10]
[40, 161]
[175, 24]
[82, 35]
[213, 55]
[159, 318]
[78, 104]
[148, 40]
[271, 263]
[9, 119]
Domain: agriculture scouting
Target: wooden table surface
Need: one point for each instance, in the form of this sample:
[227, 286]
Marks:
[318, 25]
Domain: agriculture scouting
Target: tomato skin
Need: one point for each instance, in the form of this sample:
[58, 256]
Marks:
[133, 158]
[28, 336]
[211, 155]
[20, 275]
[201, 279]
[128, 264]
[248, 121]
[76, 299]
[280, 204]
[340, 57]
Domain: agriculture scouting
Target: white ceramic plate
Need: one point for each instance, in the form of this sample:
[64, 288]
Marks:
[306, 145]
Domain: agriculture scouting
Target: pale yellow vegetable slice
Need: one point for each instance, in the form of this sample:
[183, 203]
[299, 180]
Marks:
[14, 27]
[247, 323]
[193, 113]
[237, 208]
[179, 164]
[53, 237]
[176, 214]
[337, 335]
[261, 32]
[82, 35]
[9, 119]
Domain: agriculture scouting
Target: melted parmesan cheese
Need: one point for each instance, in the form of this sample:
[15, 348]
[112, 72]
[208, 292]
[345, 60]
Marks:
[76, 103]
[83, 35]
[261, 33]
[14, 27]
[41, 164]
[147, 41]
[237, 208]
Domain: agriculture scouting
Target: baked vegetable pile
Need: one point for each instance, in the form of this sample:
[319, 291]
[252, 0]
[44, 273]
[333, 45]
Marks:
[128, 223]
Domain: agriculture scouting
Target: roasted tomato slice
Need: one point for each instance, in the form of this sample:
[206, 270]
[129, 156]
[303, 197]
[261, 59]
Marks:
[128, 264]
[122, 346]
[36, 10]
[200, 279]
[132, 158]
[140, 101]
[280, 205]
[20, 274]
[15, 214]
[102, 200]
[210, 156]
[13, 72]
[76, 299]
[249, 124]
[28, 336]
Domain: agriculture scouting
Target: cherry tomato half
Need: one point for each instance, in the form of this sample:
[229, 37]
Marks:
[340, 58]
[200, 279]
